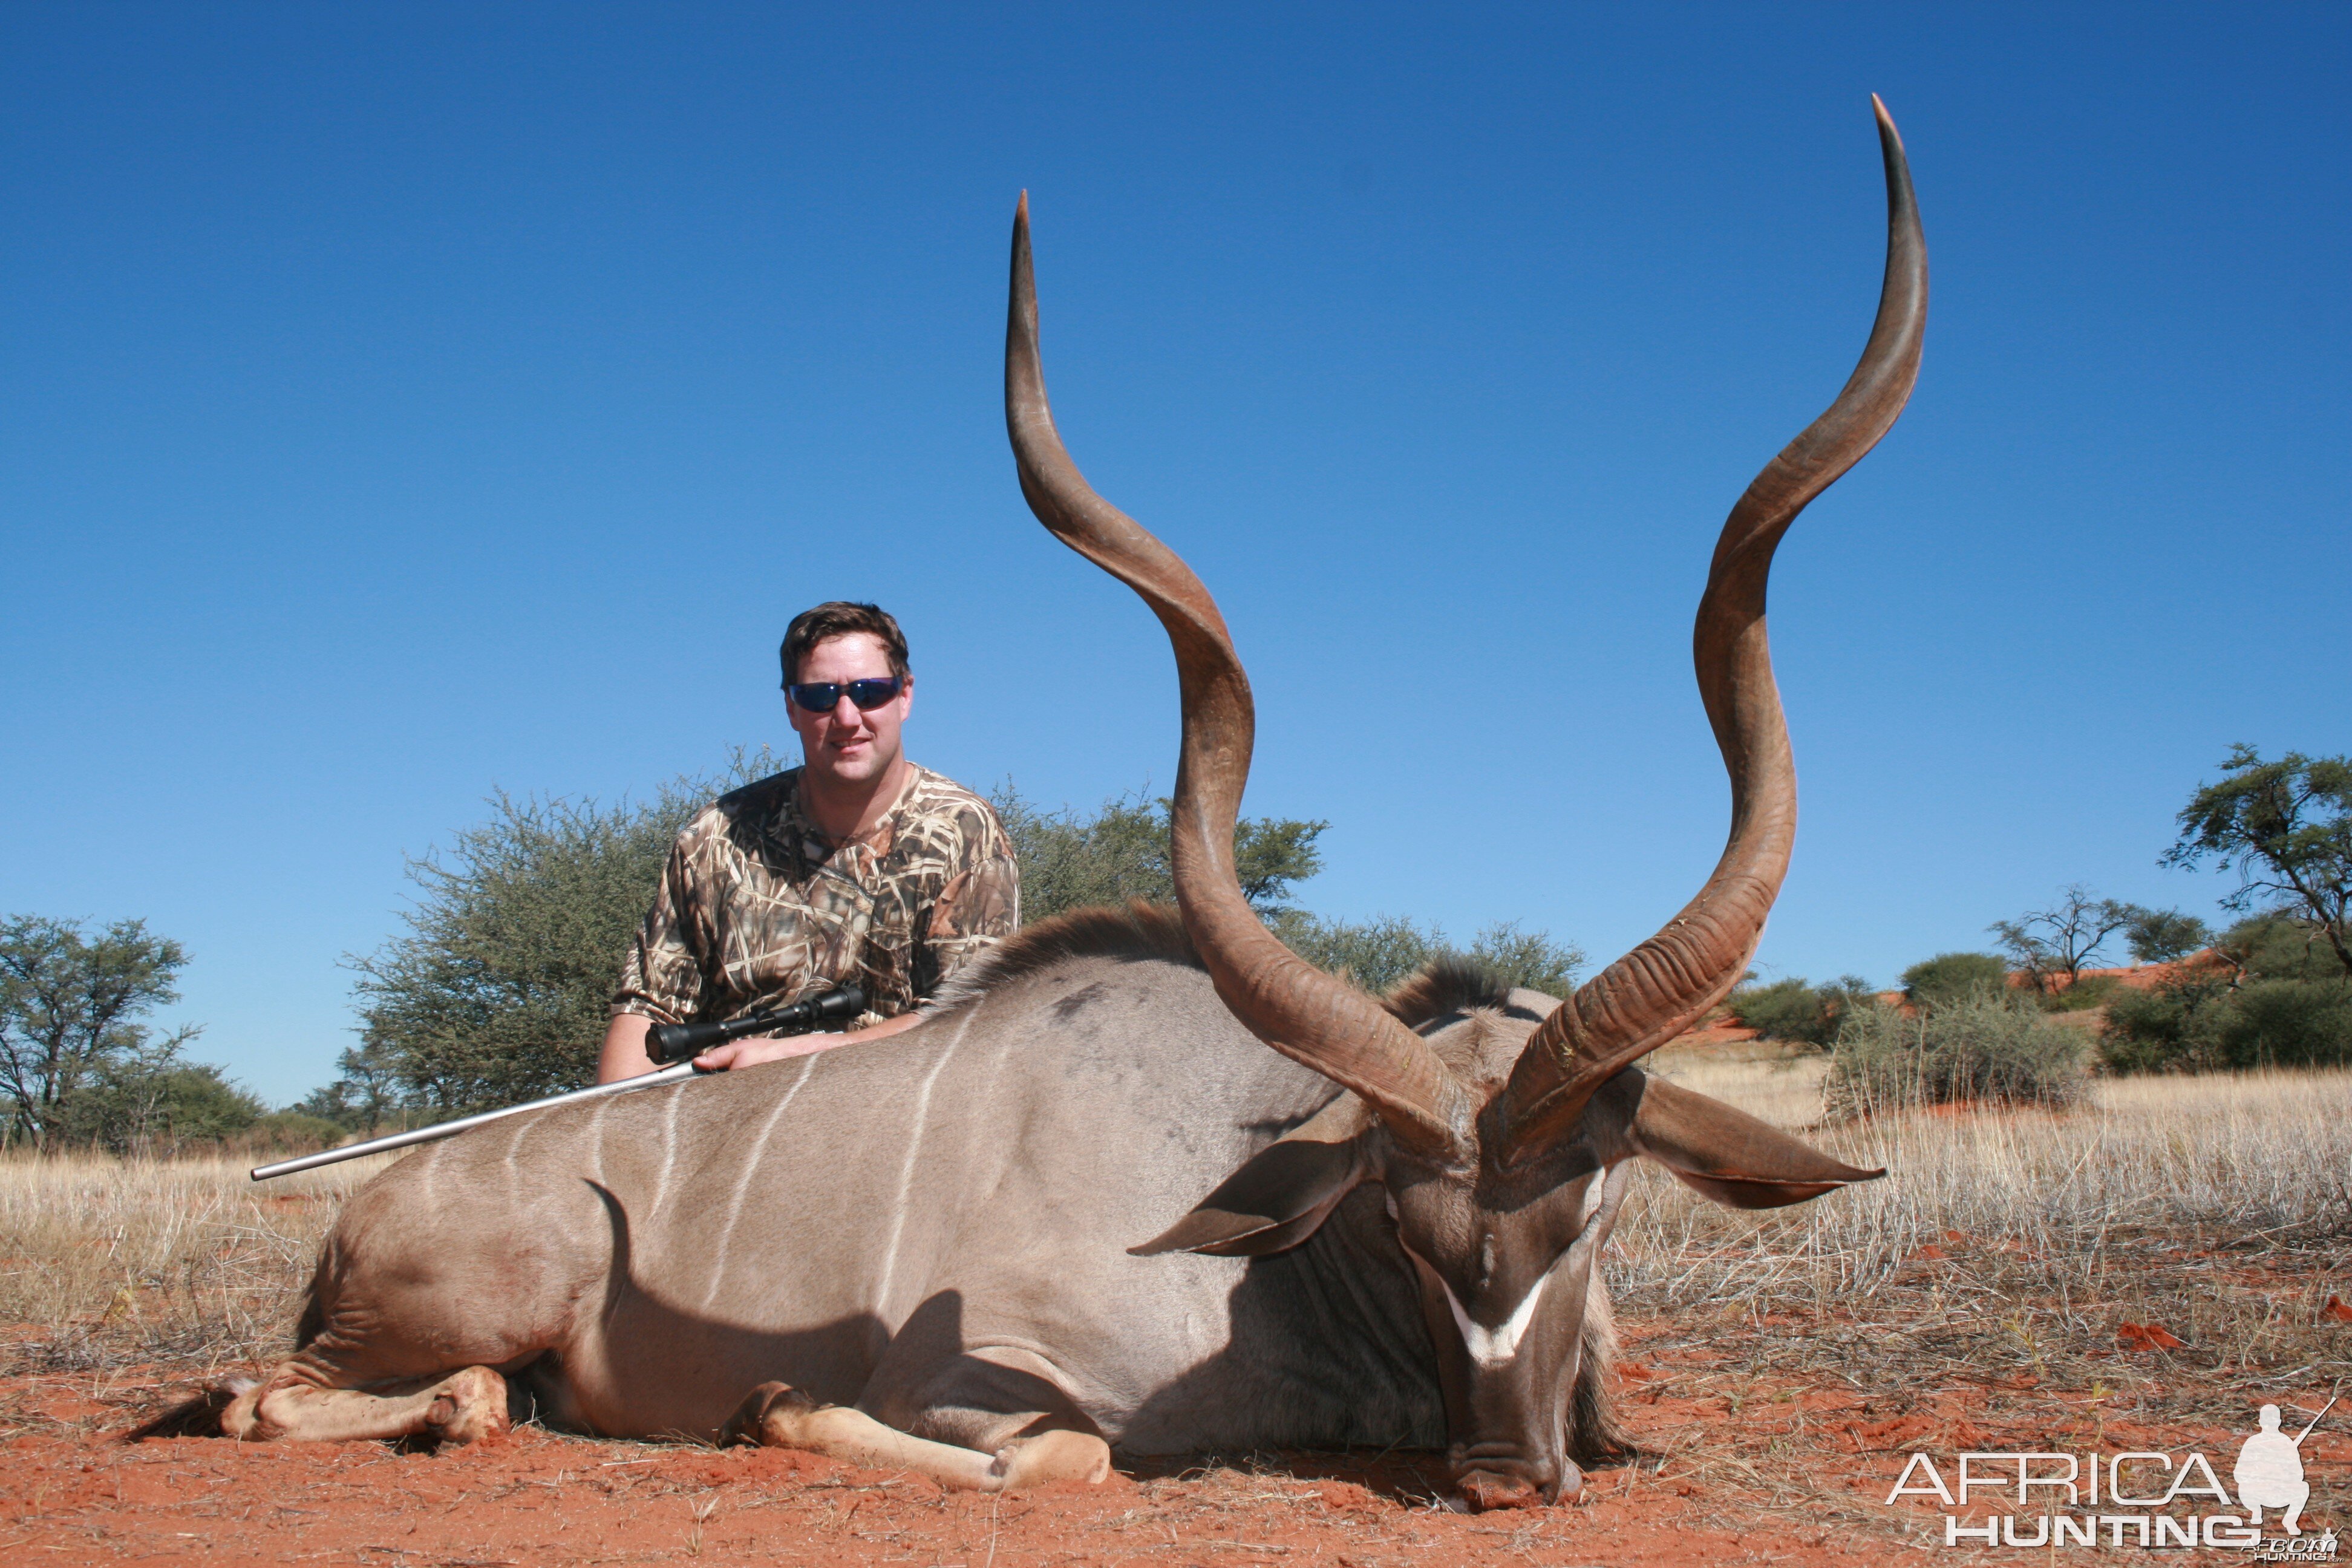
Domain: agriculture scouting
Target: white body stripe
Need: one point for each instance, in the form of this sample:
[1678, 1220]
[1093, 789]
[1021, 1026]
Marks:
[907, 1171]
[669, 1150]
[719, 1253]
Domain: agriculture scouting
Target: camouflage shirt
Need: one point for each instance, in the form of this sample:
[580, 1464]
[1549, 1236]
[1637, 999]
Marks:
[757, 908]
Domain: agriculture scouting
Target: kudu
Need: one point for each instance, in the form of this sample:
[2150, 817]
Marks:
[916, 1254]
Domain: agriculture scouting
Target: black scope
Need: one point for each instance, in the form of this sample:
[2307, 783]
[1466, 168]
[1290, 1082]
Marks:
[668, 1043]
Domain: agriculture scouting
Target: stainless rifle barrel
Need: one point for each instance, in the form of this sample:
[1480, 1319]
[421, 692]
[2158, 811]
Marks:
[451, 1129]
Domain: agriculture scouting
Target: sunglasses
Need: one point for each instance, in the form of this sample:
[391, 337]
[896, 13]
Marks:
[824, 695]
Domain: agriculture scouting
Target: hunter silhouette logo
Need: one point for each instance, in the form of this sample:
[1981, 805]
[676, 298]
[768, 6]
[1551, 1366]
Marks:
[2269, 1472]
[2124, 1499]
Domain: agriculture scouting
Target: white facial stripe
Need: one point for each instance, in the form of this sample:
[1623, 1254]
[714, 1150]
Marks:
[1495, 1346]
[1592, 1192]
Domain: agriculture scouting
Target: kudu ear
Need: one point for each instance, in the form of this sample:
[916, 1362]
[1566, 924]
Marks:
[1281, 1194]
[1730, 1156]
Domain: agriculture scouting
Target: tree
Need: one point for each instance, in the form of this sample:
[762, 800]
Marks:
[70, 1004]
[158, 1098]
[2286, 828]
[1068, 861]
[2273, 947]
[1377, 954]
[500, 988]
[368, 1092]
[2160, 936]
[2060, 940]
[1529, 958]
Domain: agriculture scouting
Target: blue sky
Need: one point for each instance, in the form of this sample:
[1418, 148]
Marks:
[404, 403]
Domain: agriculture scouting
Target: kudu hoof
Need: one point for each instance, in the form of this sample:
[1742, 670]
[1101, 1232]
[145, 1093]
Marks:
[240, 1415]
[1050, 1457]
[471, 1407]
[770, 1414]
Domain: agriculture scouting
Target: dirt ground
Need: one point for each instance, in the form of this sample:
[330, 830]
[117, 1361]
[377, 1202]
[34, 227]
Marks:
[1763, 1441]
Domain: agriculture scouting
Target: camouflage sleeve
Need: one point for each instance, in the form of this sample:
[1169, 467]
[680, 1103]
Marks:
[981, 904]
[661, 976]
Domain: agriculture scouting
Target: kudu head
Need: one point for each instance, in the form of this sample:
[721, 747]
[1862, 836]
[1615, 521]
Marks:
[1504, 1139]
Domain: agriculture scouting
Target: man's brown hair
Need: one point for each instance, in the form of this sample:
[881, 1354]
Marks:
[839, 617]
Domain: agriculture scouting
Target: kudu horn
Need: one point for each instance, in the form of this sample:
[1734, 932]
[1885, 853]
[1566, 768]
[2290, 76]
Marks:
[1298, 1009]
[1667, 984]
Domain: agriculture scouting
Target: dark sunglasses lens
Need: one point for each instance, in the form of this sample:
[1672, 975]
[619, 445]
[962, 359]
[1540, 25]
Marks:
[824, 696]
[818, 697]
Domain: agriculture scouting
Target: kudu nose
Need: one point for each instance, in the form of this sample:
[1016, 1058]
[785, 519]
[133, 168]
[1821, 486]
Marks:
[1487, 1476]
[1486, 1491]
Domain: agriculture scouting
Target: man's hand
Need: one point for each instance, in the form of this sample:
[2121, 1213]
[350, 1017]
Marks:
[772, 1048]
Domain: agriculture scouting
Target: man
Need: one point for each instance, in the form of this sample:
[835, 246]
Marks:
[856, 865]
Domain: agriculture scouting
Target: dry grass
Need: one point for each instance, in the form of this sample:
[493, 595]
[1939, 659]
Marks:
[1782, 1088]
[2198, 1163]
[106, 1261]
[1986, 1279]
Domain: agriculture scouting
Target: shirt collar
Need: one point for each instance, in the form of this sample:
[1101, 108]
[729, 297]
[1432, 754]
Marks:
[793, 826]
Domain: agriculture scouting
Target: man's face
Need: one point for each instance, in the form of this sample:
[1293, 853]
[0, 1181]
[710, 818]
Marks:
[849, 745]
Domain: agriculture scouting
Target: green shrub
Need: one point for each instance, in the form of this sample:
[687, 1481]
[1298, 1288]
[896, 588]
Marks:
[2091, 991]
[1375, 953]
[2284, 1008]
[283, 1132]
[1530, 958]
[2287, 1022]
[1983, 1046]
[1378, 952]
[1951, 977]
[2273, 947]
[2169, 1028]
[167, 1104]
[1069, 860]
[1799, 1011]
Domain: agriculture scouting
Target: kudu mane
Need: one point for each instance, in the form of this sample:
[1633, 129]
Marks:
[1452, 982]
[1137, 931]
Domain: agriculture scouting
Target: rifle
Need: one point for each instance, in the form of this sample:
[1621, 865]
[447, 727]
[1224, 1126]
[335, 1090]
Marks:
[672, 1044]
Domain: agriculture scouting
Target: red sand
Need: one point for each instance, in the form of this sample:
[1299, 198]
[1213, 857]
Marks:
[1790, 1475]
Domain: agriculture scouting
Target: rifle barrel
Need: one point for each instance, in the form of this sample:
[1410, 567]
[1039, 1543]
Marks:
[451, 1129]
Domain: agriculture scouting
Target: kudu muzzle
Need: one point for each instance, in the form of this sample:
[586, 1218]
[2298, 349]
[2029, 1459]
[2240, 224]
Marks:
[1508, 1385]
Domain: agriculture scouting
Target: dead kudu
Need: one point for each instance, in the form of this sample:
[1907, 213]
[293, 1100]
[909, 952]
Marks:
[920, 1254]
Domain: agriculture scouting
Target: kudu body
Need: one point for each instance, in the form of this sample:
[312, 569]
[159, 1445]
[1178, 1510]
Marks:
[918, 1253]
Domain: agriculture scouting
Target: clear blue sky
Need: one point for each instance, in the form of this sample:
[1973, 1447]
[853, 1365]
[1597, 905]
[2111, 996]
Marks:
[404, 402]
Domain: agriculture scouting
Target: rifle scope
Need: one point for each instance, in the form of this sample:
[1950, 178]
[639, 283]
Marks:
[667, 1043]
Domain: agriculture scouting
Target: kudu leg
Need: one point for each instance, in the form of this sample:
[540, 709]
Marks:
[778, 1416]
[466, 1406]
